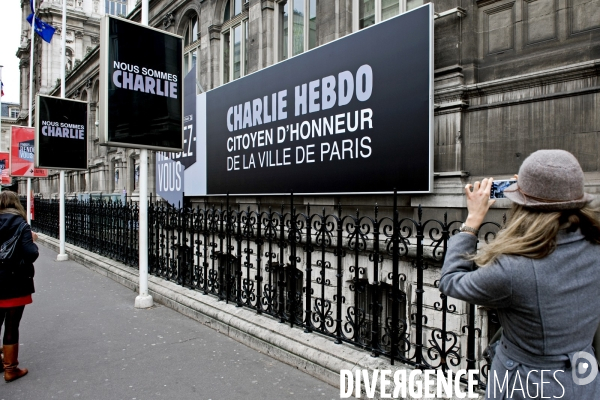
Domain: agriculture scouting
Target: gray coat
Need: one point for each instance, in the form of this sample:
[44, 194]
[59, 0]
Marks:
[549, 308]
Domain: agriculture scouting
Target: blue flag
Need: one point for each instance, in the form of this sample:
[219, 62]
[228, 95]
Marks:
[46, 31]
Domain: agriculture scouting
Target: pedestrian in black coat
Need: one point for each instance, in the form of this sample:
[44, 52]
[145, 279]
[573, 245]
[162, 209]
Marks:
[16, 279]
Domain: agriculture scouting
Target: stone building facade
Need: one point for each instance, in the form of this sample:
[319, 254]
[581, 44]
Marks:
[511, 76]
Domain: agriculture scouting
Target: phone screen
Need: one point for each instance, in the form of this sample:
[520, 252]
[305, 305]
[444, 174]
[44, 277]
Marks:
[498, 187]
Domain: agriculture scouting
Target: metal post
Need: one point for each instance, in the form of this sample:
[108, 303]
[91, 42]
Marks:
[29, 201]
[31, 46]
[30, 122]
[143, 300]
[62, 254]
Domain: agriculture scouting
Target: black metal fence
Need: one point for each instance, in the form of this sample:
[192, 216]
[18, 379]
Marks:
[356, 278]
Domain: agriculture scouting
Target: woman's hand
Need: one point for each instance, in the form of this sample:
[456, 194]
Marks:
[34, 236]
[478, 201]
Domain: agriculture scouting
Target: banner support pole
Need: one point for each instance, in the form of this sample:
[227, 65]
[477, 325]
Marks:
[143, 300]
[29, 201]
[62, 254]
[30, 116]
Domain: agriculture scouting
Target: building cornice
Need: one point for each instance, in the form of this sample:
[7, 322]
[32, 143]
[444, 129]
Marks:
[535, 99]
[554, 75]
[55, 10]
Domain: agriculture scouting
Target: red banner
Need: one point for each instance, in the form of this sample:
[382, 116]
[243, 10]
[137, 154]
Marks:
[22, 153]
[5, 169]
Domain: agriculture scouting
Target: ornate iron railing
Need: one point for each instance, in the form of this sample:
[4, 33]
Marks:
[358, 279]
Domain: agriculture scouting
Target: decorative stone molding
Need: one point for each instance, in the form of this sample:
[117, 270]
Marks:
[267, 4]
[483, 3]
[522, 89]
[78, 34]
[168, 20]
[88, 83]
[95, 39]
[499, 29]
[214, 32]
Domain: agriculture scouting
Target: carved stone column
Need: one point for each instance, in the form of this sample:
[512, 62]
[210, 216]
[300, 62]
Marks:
[214, 56]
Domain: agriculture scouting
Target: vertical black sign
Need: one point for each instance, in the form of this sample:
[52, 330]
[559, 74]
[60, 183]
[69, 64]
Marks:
[170, 167]
[352, 116]
[141, 96]
[61, 134]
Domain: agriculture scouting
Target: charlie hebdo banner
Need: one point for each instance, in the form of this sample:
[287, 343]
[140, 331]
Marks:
[141, 90]
[61, 133]
[355, 115]
[170, 166]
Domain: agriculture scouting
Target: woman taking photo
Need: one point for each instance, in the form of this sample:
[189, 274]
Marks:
[542, 274]
[16, 279]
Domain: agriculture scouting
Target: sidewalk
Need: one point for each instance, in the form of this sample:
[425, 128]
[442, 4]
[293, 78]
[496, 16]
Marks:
[82, 338]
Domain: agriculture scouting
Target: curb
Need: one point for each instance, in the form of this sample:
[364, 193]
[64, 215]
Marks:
[312, 353]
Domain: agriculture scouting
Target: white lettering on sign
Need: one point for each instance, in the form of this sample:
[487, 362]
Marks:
[169, 174]
[145, 80]
[62, 129]
[311, 97]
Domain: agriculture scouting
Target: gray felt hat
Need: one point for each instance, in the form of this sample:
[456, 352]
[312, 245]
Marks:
[549, 180]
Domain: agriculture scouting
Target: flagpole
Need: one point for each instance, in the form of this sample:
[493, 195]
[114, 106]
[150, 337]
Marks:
[31, 46]
[62, 254]
[143, 300]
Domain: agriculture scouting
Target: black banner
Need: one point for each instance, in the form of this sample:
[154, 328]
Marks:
[170, 167]
[141, 86]
[61, 140]
[351, 116]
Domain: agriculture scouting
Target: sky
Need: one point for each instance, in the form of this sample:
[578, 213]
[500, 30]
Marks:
[10, 36]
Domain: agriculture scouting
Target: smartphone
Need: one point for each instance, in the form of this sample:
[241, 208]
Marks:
[498, 187]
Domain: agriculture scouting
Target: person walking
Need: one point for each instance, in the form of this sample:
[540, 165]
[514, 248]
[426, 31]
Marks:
[541, 273]
[16, 279]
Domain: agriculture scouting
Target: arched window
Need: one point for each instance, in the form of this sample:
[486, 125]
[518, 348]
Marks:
[373, 11]
[191, 41]
[303, 22]
[235, 41]
[232, 12]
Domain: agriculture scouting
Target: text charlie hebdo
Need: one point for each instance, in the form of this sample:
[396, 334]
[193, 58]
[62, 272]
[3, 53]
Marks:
[311, 97]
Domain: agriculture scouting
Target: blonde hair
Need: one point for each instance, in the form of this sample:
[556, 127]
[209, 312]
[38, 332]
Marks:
[532, 234]
[10, 204]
